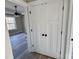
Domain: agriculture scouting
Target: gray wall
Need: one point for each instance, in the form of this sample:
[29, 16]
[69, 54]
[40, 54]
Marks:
[20, 26]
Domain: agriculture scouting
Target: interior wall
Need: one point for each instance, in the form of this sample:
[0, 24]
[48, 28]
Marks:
[20, 26]
[9, 11]
[8, 54]
[8, 51]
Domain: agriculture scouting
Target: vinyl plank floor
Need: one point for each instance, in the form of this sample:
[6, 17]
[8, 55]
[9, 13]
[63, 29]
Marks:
[35, 56]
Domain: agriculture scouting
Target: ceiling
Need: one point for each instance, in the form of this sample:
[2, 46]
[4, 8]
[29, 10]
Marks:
[29, 0]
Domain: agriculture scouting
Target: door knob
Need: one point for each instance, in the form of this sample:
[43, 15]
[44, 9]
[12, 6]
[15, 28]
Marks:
[45, 35]
[42, 34]
[71, 39]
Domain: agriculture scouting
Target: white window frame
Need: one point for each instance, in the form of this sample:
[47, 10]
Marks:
[11, 23]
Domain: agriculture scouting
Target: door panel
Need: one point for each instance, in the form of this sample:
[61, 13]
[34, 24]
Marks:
[53, 36]
[33, 25]
[43, 43]
[46, 19]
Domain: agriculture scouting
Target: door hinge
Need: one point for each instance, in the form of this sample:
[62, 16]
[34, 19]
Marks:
[63, 8]
[61, 32]
[32, 45]
[30, 12]
[31, 30]
[60, 52]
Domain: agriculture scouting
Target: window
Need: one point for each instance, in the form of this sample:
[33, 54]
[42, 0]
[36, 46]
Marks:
[11, 23]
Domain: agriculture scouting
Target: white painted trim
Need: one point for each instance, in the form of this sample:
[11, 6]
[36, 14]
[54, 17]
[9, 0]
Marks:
[26, 23]
[65, 27]
[70, 25]
[37, 2]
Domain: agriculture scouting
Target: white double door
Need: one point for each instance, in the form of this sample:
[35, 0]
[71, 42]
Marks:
[45, 22]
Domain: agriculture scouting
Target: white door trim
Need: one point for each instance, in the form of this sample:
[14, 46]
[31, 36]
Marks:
[65, 27]
[65, 19]
[70, 29]
[36, 3]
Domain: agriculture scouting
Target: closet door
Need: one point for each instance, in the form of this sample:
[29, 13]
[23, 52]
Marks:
[54, 27]
[46, 20]
[38, 24]
[42, 27]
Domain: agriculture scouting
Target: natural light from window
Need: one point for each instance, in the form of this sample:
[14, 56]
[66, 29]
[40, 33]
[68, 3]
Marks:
[11, 23]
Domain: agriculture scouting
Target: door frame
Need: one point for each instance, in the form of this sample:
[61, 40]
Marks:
[65, 19]
[8, 49]
[26, 19]
[64, 24]
[35, 3]
[26, 24]
[66, 27]
[70, 30]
